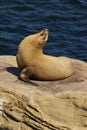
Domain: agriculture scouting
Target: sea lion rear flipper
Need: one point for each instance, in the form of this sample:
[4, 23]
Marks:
[24, 76]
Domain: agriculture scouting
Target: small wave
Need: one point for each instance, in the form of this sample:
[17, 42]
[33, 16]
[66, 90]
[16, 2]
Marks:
[83, 2]
[66, 21]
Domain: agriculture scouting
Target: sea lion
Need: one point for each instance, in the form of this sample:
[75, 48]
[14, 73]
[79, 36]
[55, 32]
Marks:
[36, 65]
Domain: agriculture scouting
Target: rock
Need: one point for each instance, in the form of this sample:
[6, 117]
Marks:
[58, 105]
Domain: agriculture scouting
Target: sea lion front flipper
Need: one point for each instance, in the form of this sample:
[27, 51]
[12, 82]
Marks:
[25, 75]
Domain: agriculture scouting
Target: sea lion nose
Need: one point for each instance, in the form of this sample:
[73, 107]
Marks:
[46, 29]
[43, 32]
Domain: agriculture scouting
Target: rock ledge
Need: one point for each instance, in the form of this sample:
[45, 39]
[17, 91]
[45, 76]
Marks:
[59, 105]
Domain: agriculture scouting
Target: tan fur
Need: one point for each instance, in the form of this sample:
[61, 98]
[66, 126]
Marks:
[34, 64]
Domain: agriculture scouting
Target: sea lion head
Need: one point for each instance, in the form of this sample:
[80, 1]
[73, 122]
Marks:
[43, 36]
[38, 39]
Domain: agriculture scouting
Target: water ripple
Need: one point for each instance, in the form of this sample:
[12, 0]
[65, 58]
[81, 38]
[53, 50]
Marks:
[66, 21]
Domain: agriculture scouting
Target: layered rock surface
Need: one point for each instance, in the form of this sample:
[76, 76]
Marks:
[58, 105]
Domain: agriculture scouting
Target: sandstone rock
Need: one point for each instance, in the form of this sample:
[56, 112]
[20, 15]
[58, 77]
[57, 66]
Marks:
[58, 105]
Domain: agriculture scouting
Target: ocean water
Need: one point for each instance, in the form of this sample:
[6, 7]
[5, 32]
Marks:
[65, 19]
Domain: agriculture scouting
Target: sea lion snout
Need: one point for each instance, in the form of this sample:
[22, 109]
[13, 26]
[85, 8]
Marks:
[44, 34]
[44, 31]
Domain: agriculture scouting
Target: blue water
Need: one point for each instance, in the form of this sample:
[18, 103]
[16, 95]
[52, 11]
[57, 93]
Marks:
[65, 19]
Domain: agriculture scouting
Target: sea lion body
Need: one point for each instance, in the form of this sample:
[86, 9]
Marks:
[36, 65]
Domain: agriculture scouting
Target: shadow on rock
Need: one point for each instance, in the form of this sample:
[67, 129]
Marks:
[13, 70]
